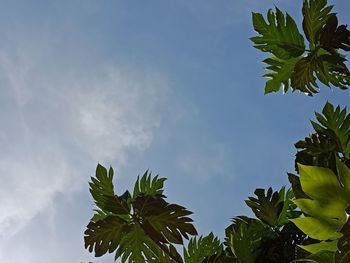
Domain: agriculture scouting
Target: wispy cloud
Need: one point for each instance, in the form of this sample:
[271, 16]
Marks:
[56, 124]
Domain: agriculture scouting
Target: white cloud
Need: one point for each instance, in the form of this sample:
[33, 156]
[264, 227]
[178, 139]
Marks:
[56, 124]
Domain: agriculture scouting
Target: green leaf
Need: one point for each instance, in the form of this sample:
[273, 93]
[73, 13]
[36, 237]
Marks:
[198, 250]
[101, 185]
[315, 16]
[136, 246]
[331, 69]
[317, 150]
[148, 186]
[337, 121]
[318, 229]
[244, 237]
[288, 207]
[323, 185]
[140, 228]
[105, 235]
[325, 210]
[320, 257]
[330, 197]
[168, 254]
[304, 75]
[296, 186]
[101, 189]
[280, 73]
[280, 37]
[331, 139]
[162, 221]
[266, 207]
[322, 246]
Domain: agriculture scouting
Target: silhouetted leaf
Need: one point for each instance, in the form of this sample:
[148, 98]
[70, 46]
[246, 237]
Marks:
[105, 235]
[333, 36]
[162, 221]
[266, 207]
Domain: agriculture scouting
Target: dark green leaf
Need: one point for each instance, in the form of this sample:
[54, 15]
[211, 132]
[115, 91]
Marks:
[280, 37]
[198, 250]
[318, 150]
[266, 207]
[244, 238]
[331, 69]
[321, 257]
[101, 189]
[337, 121]
[162, 221]
[333, 36]
[296, 186]
[101, 185]
[304, 75]
[136, 246]
[148, 186]
[315, 16]
[343, 254]
[280, 73]
[105, 235]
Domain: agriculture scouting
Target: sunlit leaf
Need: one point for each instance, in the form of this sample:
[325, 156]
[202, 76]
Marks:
[322, 246]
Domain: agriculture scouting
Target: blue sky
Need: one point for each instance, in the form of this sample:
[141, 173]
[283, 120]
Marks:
[170, 86]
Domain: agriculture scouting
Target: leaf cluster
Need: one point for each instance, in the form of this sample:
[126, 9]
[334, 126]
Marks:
[292, 65]
[138, 226]
[330, 140]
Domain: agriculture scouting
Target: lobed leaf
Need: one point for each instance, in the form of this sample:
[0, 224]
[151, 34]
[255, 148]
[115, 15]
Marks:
[334, 37]
[162, 221]
[204, 247]
[315, 16]
[266, 207]
[105, 235]
[280, 73]
[148, 186]
[102, 185]
[280, 36]
[244, 238]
